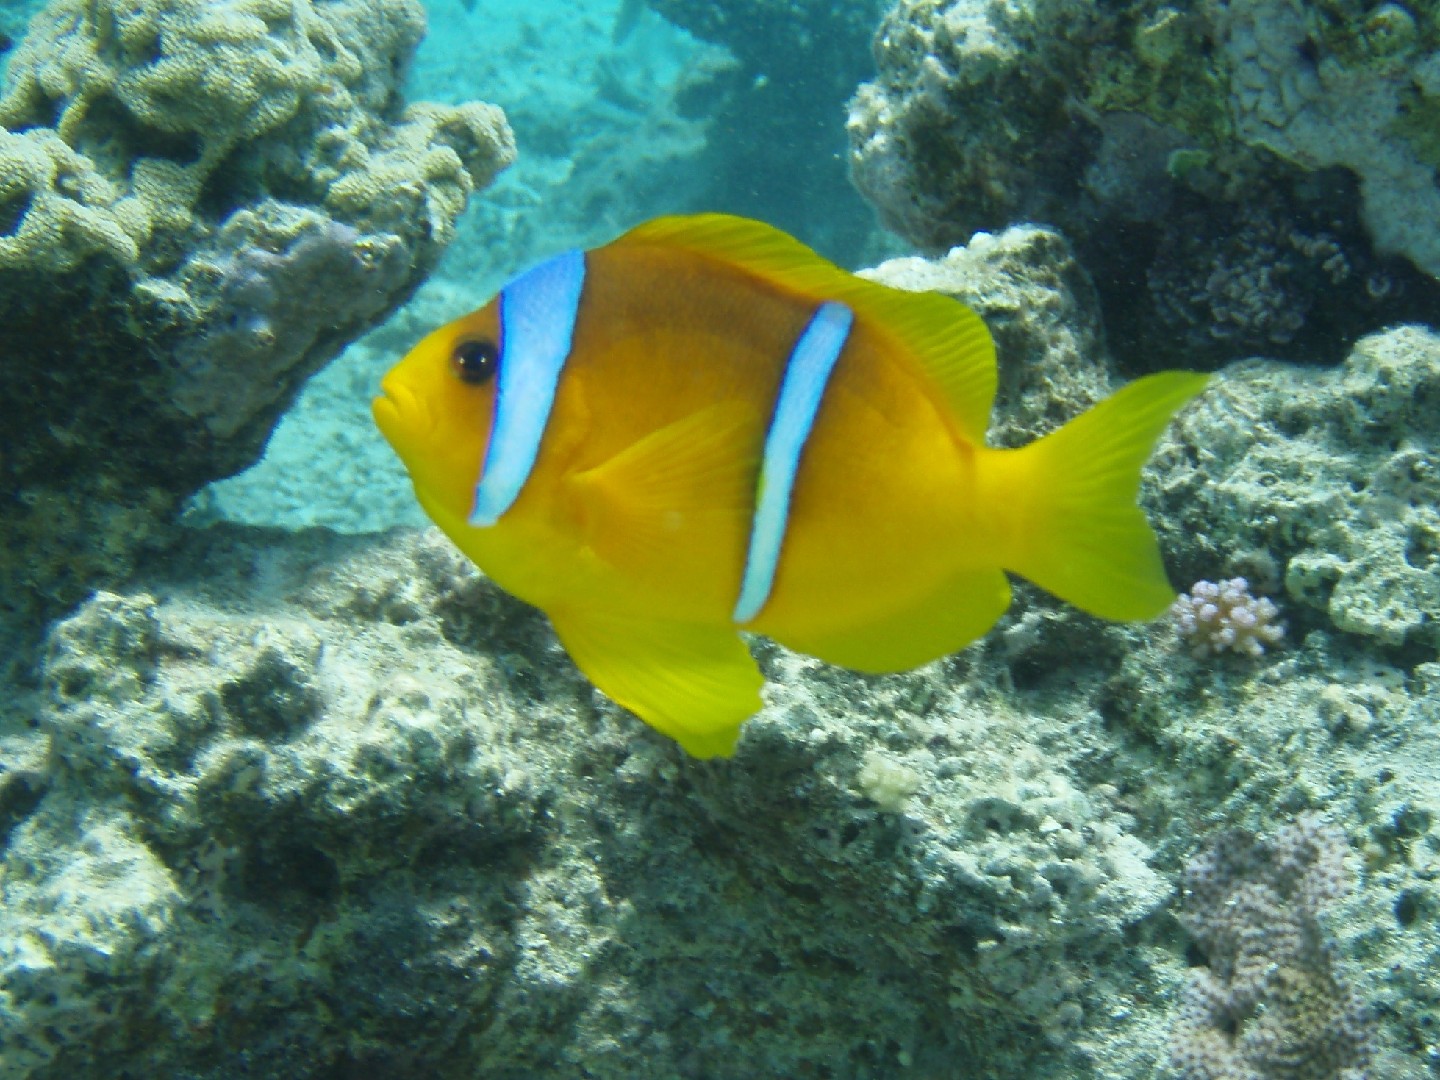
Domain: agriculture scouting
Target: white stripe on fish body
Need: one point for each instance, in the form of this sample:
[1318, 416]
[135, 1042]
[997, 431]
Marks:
[537, 330]
[806, 374]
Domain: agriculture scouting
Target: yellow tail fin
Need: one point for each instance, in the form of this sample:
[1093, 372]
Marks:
[1077, 531]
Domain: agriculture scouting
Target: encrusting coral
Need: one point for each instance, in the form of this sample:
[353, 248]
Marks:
[317, 769]
[1270, 1005]
[1324, 483]
[1250, 177]
[321, 804]
[200, 204]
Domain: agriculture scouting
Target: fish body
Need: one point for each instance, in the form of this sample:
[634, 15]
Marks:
[704, 428]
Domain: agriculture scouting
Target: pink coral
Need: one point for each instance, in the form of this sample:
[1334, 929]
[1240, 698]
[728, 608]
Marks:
[1215, 617]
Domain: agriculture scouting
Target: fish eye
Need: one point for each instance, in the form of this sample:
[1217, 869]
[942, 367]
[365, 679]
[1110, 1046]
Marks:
[474, 361]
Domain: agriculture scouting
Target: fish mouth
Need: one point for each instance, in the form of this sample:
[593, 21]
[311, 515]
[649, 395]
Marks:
[395, 409]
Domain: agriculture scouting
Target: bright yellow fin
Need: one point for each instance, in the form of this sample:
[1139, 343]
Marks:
[701, 468]
[696, 684]
[947, 339]
[1078, 532]
[944, 622]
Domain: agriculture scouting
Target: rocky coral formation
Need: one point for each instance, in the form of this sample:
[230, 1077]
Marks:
[1040, 307]
[307, 805]
[199, 205]
[1187, 152]
[1325, 483]
[376, 755]
[368, 817]
[1322, 86]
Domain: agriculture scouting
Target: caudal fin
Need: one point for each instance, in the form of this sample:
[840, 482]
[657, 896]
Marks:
[1079, 533]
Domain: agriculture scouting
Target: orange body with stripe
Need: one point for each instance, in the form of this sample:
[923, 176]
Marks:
[633, 526]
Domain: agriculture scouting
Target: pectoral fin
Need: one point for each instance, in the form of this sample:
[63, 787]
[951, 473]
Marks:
[694, 683]
[695, 476]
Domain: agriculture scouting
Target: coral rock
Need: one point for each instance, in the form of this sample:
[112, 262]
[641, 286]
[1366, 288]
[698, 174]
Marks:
[200, 204]
[1270, 1005]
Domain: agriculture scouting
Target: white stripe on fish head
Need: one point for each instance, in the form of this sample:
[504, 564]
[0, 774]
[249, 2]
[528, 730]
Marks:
[537, 330]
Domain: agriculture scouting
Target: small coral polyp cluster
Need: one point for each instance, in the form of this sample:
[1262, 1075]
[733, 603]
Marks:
[1215, 617]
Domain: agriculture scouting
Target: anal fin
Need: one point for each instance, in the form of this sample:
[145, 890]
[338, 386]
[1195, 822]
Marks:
[945, 621]
[692, 682]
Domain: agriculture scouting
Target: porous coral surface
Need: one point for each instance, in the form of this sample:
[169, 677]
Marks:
[1238, 177]
[200, 204]
[1270, 1001]
[383, 825]
[1323, 484]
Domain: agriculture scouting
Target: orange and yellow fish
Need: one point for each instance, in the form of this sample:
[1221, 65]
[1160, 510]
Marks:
[704, 428]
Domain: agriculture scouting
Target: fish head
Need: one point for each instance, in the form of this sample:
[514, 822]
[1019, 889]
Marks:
[436, 407]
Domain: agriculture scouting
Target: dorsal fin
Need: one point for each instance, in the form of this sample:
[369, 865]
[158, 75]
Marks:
[949, 340]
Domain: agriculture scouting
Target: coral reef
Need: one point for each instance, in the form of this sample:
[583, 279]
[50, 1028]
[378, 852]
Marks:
[1186, 152]
[1269, 1004]
[1326, 483]
[367, 818]
[597, 150]
[1321, 86]
[1040, 307]
[296, 804]
[367, 772]
[200, 204]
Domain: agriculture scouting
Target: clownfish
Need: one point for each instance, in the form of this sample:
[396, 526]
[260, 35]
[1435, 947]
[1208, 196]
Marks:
[704, 429]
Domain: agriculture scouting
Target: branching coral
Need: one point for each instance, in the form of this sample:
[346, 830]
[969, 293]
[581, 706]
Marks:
[1223, 617]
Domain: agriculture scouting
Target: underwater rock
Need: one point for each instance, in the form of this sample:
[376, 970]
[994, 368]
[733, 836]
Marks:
[361, 774]
[1040, 307]
[342, 802]
[314, 804]
[1357, 88]
[297, 804]
[199, 206]
[1323, 483]
[1238, 178]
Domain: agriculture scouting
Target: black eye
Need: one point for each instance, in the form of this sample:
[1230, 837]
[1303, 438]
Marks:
[474, 361]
